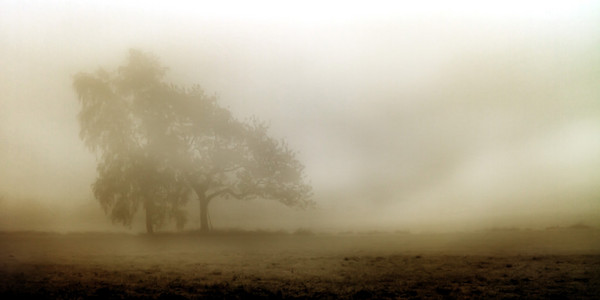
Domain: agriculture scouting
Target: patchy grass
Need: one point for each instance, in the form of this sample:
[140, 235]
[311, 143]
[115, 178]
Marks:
[507, 264]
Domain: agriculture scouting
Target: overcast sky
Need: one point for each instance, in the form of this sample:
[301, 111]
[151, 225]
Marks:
[427, 117]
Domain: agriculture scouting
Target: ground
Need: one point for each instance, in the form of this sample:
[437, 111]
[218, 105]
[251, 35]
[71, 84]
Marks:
[558, 263]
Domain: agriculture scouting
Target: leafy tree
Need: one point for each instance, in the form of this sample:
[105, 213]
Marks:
[124, 118]
[158, 143]
[240, 160]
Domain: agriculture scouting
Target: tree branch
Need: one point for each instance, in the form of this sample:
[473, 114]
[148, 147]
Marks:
[235, 168]
[227, 191]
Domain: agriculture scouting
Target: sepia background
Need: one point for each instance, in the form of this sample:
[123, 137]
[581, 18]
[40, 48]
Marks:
[428, 117]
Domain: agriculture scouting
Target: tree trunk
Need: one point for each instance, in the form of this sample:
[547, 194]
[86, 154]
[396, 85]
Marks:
[149, 225]
[203, 214]
[200, 190]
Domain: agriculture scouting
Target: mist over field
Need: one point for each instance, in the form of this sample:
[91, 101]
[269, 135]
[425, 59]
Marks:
[434, 117]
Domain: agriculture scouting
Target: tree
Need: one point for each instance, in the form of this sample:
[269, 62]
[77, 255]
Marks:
[124, 118]
[240, 160]
[157, 143]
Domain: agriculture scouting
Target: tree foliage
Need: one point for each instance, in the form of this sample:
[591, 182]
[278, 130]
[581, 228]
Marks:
[157, 143]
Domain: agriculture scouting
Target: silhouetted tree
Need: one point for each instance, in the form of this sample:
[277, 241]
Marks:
[240, 160]
[156, 143]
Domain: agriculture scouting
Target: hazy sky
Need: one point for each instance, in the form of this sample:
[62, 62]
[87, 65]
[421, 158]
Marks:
[425, 117]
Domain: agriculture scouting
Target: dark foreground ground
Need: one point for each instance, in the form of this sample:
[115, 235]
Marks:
[497, 264]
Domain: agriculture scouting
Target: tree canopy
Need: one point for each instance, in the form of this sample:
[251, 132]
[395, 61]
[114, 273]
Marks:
[159, 144]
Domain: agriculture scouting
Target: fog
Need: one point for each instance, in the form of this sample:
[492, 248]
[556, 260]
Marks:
[433, 117]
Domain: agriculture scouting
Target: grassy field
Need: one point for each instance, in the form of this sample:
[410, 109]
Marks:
[503, 264]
